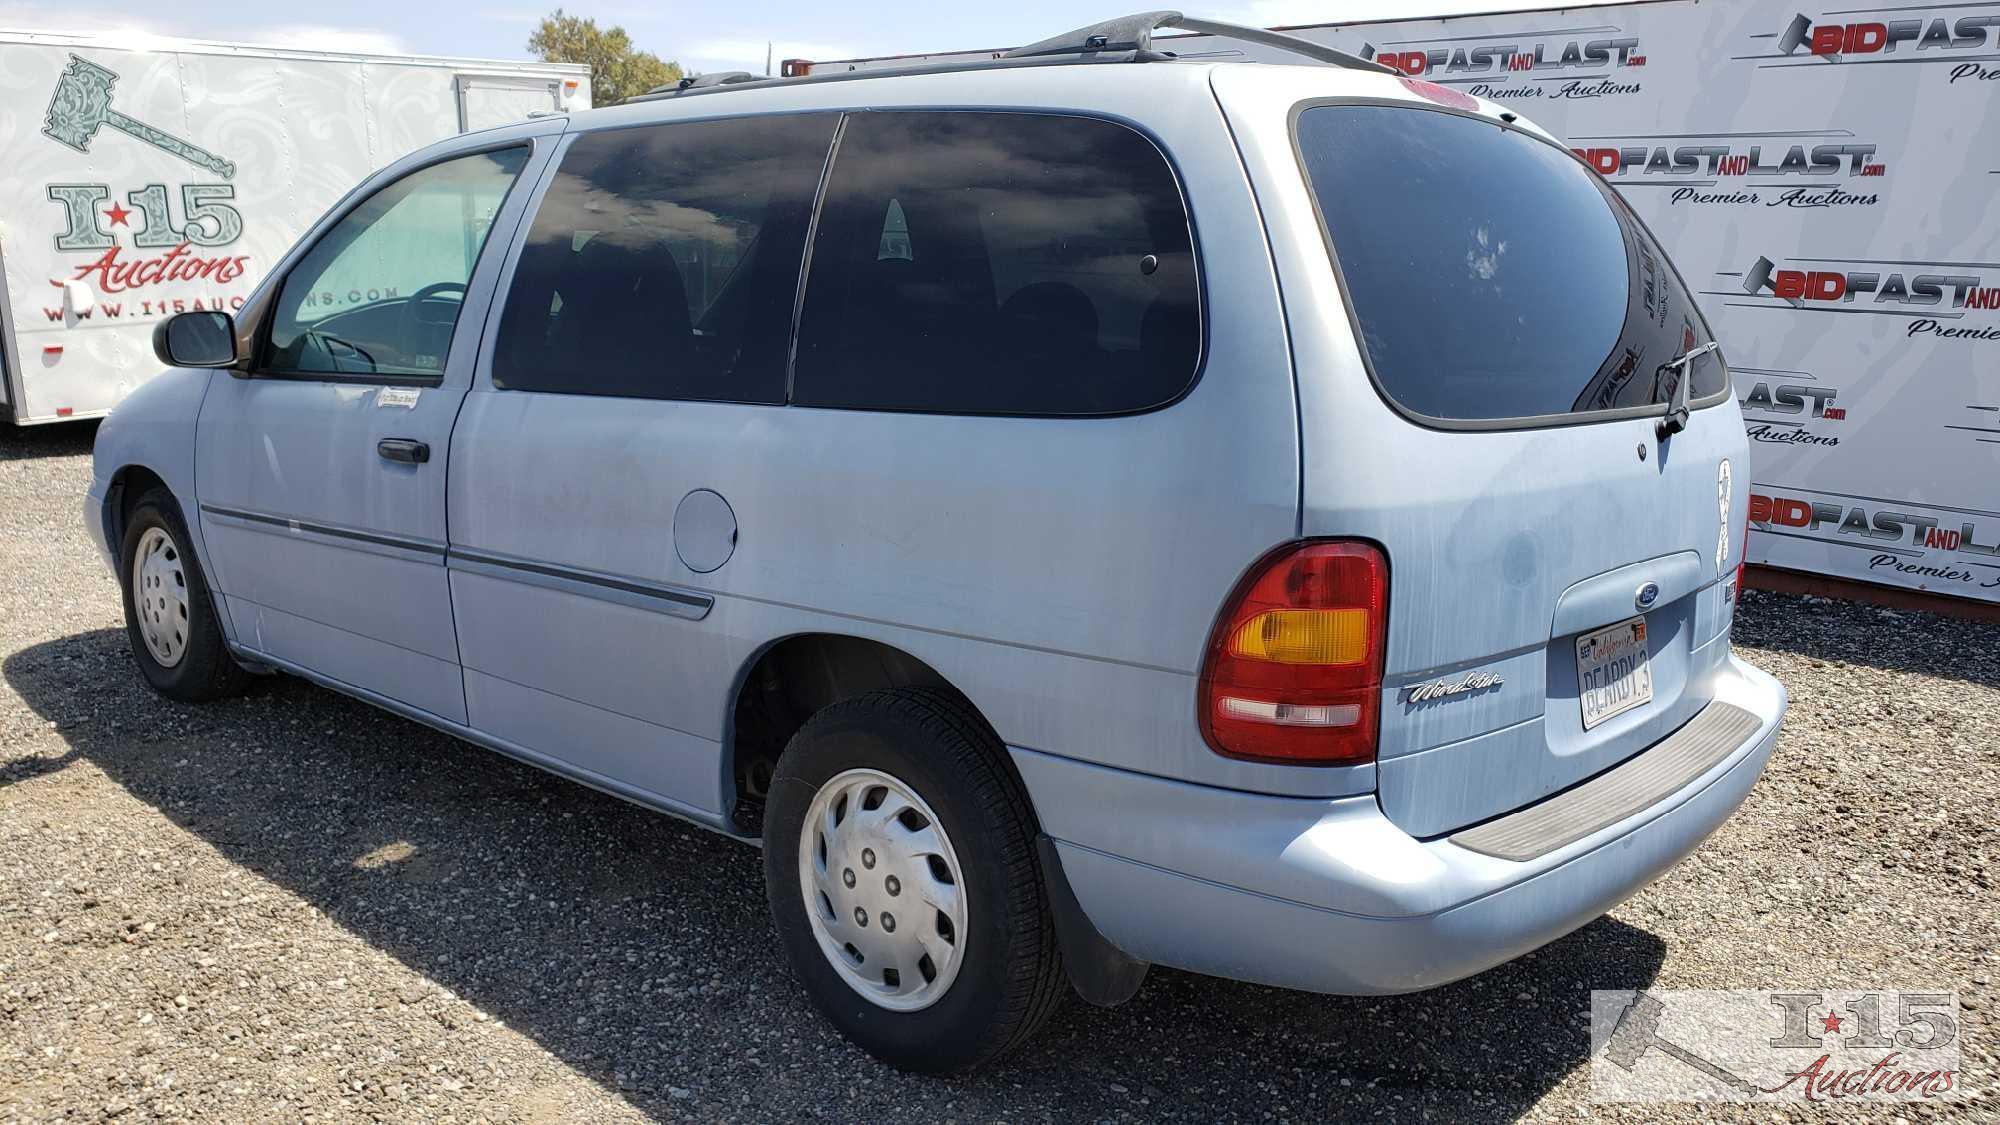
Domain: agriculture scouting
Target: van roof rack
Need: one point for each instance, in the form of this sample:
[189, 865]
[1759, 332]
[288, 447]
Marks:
[1133, 34]
[1125, 39]
[714, 78]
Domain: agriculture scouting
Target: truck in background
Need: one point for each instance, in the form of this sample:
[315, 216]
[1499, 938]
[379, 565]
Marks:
[149, 176]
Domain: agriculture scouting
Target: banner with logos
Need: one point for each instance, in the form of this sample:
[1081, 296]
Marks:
[1826, 179]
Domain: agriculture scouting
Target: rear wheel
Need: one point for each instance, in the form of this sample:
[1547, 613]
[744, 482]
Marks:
[900, 865]
[169, 614]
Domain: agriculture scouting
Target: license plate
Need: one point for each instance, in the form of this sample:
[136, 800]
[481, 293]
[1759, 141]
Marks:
[1612, 671]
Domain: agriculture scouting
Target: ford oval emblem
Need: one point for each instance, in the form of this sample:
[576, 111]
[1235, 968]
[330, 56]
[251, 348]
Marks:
[1647, 595]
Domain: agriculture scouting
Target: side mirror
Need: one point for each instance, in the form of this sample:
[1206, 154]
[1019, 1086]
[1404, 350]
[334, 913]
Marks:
[196, 339]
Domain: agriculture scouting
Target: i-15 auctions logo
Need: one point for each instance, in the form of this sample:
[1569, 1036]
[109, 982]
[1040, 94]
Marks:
[1777, 169]
[1806, 1045]
[1531, 65]
[164, 252]
[1931, 294]
[1961, 35]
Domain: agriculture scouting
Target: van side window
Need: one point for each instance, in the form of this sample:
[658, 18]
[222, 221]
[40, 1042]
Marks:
[998, 263]
[379, 293]
[663, 262]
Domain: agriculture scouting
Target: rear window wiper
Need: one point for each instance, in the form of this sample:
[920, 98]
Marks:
[1677, 415]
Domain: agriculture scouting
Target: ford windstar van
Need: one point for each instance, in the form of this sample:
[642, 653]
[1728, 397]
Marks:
[1079, 511]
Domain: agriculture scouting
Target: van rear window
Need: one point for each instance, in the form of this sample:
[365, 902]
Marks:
[1493, 278]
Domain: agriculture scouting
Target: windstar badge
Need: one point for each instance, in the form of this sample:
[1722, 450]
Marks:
[1445, 688]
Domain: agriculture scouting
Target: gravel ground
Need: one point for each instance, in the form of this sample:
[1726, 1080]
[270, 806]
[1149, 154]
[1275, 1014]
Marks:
[293, 906]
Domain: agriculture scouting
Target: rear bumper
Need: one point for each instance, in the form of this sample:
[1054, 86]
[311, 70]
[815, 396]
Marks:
[1329, 896]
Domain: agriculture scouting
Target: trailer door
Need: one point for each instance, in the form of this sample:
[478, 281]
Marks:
[486, 100]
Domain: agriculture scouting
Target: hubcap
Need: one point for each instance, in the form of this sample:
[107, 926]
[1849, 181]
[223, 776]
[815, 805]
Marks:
[883, 889]
[160, 597]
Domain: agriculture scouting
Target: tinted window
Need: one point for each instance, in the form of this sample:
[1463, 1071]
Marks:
[1493, 275]
[664, 261]
[998, 263]
[379, 294]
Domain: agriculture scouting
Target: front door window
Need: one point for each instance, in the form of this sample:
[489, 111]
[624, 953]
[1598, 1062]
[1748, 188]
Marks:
[380, 292]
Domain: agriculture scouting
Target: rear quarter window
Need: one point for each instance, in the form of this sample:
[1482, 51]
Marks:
[973, 262]
[1492, 277]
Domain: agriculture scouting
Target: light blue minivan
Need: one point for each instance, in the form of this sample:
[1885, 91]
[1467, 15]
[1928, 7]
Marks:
[1081, 511]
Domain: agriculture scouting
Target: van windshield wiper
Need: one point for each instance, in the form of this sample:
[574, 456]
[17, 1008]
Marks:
[1677, 415]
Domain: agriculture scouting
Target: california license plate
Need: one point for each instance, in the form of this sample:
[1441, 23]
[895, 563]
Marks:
[1612, 671]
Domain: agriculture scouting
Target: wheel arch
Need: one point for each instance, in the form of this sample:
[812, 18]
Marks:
[128, 484]
[123, 490]
[790, 679]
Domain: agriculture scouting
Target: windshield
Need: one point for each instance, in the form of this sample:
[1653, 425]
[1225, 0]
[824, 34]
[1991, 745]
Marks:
[1492, 276]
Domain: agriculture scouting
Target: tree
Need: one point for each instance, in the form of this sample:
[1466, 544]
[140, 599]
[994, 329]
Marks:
[617, 71]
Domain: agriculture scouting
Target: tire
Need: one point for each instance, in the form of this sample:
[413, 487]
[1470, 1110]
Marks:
[1002, 974]
[169, 614]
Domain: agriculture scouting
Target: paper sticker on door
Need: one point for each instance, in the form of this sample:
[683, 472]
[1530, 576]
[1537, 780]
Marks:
[1613, 673]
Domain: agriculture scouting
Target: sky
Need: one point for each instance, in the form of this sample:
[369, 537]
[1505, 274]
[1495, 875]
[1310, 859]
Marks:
[710, 36]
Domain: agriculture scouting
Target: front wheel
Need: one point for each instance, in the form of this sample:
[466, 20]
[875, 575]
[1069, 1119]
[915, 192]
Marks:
[169, 613]
[900, 864]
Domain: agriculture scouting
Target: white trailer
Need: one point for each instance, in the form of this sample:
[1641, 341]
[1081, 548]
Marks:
[147, 176]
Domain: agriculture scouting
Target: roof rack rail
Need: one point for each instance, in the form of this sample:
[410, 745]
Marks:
[704, 81]
[1126, 39]
[1134, 33]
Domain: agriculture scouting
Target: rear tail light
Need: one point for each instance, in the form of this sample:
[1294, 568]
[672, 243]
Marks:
[1294, 667]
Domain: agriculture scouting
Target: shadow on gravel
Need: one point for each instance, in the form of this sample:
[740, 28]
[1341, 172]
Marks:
[1899, 640]
[638, 951]
[59, 439]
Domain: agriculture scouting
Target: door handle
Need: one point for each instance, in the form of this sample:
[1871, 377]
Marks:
[403, 449]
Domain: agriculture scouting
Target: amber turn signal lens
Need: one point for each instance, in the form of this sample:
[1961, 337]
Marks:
[1304, 636]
